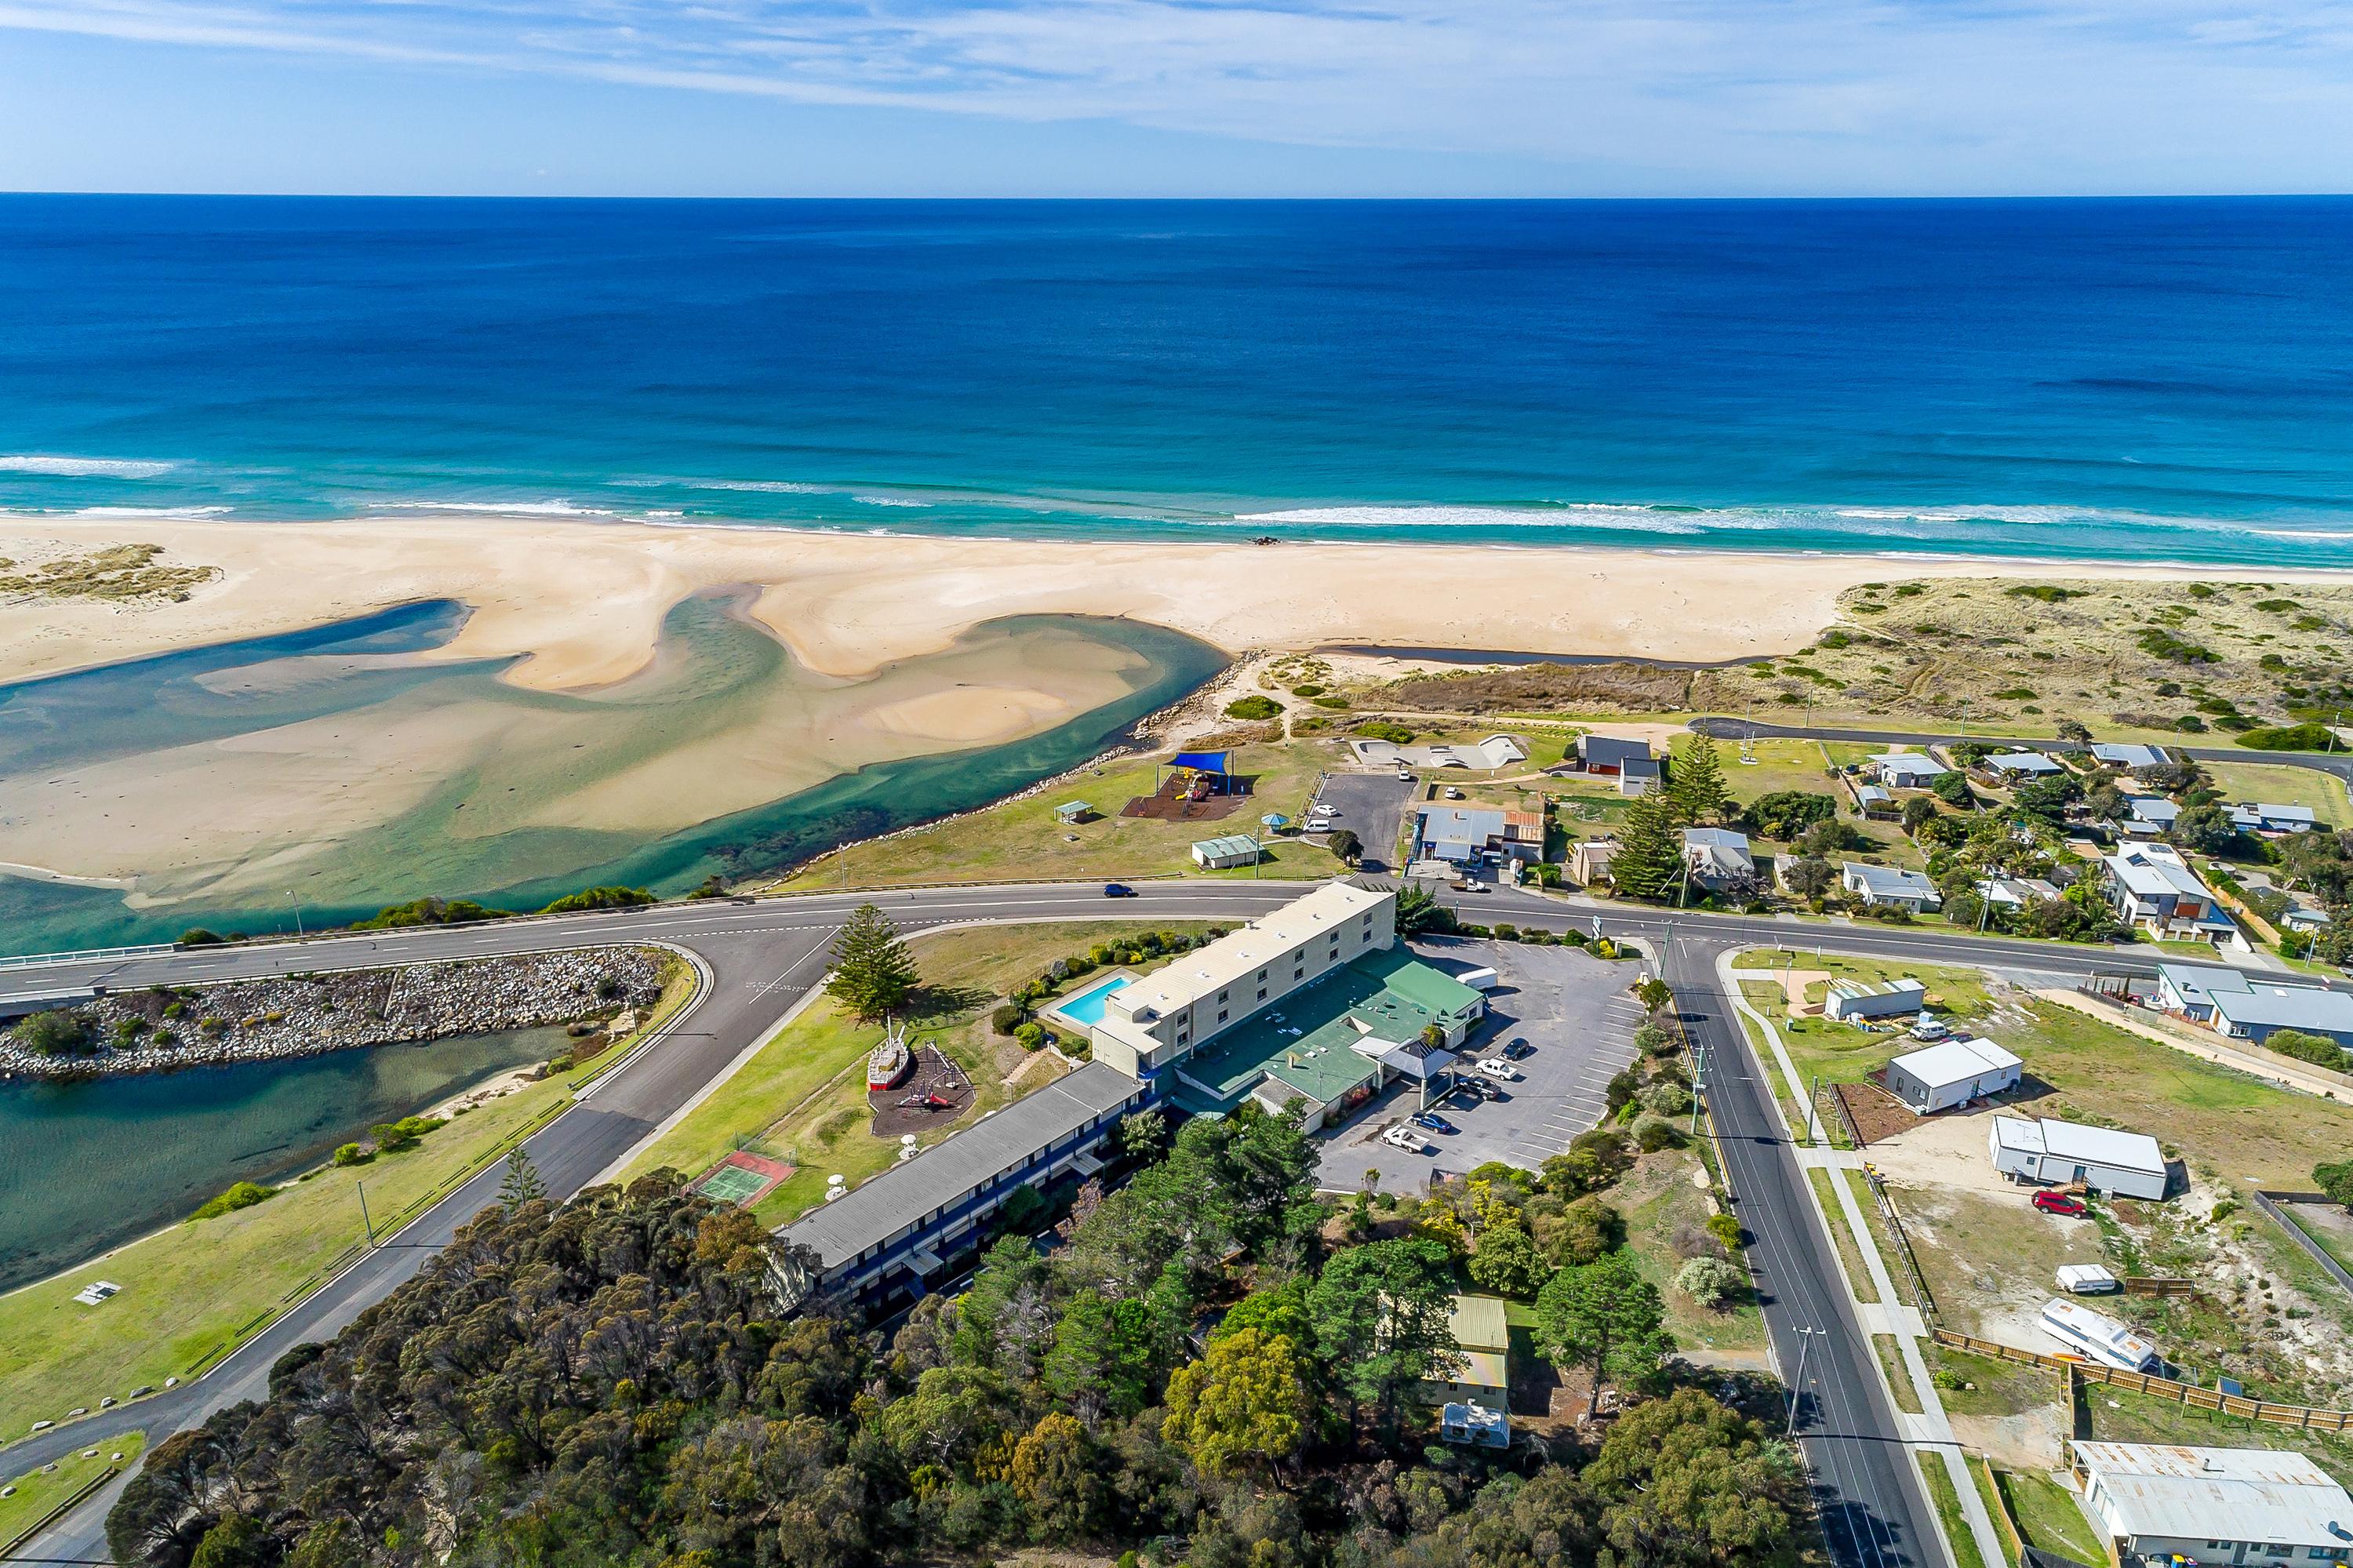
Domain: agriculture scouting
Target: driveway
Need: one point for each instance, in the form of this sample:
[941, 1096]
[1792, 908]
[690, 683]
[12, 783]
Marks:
[1370, 805]
[1573, 1009]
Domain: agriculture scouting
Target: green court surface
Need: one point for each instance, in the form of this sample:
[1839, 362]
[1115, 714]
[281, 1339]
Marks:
[732, 1184]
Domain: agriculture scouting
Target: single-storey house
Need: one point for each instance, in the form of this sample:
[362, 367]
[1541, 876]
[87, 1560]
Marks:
[2149, 816]
[2152, 887]
[2250, 1008]
[2187, 989]
[1485, 1341]
[1608, 754]
[1907, 769]
[2019, 766]
[1851, 1001]
[1951, 1073]
[2162, 1502]
[1874, 802]
[2130, 759]
[1461, 833]
[1588, 859]
[1885, 884]
[1231, 850]
[2059, 1152]
[2306, 917]
[1717, 855]
[2016, 892]
[2253, 817]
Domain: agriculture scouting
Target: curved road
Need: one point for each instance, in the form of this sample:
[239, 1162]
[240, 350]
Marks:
[761, 958]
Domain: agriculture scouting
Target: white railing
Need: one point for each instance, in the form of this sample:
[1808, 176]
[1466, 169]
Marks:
[37, 960]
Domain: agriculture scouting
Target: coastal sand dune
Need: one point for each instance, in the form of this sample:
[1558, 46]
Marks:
[580, 604]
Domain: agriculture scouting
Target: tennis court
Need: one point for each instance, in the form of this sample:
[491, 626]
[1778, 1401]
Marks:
[741, 1179]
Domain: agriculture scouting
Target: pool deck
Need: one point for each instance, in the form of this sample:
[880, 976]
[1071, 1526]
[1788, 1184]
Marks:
[1099, 981]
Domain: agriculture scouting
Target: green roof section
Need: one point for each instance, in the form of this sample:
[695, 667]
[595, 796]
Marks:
[1308, 1040]
[1232, 843]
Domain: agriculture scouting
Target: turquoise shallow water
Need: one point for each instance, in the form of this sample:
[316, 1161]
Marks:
[88, 1166]
[2098, 379]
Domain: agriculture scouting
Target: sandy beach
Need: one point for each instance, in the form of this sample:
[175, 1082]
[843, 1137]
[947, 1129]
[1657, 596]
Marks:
[581, 602]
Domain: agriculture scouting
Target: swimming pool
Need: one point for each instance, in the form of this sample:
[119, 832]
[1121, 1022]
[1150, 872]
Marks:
[1086, 1007]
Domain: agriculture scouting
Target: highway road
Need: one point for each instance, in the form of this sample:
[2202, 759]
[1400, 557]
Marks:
[762, 957]
[2338, 763]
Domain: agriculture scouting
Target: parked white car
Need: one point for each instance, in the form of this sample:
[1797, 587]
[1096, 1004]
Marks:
[1497, 1067]
[1405, 1137]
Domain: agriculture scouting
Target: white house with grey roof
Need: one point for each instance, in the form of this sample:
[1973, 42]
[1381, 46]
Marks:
[1717, 855]
[1907, 769]
[2264, 817]
[1880, 886]
[2157, 1502]
[2104, 1158]
[2249, 1007]
[2020, 767]
[2153, 889]
[2129, 759]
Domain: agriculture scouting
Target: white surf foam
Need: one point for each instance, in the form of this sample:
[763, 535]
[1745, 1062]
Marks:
[81, 467]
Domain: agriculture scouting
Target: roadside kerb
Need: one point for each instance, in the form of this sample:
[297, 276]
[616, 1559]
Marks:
[58, 1512]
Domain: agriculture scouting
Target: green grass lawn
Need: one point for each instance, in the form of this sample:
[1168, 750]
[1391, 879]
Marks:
[802, 1097]
[2280, 786]
[1899, 1382]
[1020, 839]
[2119, 1415]
[1939, 1482]
[1850, 1251]
[192, 1291]
[36, 1494]
[2233, 1126]
[2049, 1516]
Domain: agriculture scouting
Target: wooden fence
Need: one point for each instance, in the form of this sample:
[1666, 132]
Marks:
[2182, 1393]
[2156, 1284]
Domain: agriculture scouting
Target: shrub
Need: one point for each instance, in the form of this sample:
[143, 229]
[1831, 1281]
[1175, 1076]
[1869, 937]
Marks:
[2160, 643]
[1654, 1136]
[599, 898]
[54, 1033]
[353, 1154]
[1667, 1097]
[1506, 1262]
[391, 1137]
[2049, 593]
[1725, 1230]
[1032, 1037]
[2336, 1181]
[197, 937]
[1254, 708]
[2319, 1050]
[1505, 932]
[242, 1195]
[2286, 738]
[1382, 729]
[1009, 1017]
[1581, 1233]
[1712, 1282]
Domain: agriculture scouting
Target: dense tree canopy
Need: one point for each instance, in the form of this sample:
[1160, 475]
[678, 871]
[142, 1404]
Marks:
[614, 1382]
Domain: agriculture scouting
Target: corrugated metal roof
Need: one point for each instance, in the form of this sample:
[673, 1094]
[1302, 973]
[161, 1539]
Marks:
[961, 1164]
[2226, 1494]
[1956, 1061]
[2075, 1142]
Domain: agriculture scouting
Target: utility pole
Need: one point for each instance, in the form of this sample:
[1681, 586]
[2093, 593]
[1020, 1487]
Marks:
[297, 903]
[364, 1212]
[1699, 1082]
[1797, 1389]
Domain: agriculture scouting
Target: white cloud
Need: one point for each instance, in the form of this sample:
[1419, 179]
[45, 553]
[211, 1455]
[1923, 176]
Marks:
[1867, 93]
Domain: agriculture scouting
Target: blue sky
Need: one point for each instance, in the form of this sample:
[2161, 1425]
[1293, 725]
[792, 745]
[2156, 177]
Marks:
[1178, 96]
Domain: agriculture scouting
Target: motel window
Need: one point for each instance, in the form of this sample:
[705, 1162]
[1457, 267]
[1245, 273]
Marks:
[1261, 993]
[1221, 996]
[1261, 974]
[1222, 1017]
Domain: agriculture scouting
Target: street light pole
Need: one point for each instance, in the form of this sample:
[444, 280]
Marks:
[297, 903]
[1797, 1389]
[364, 1212]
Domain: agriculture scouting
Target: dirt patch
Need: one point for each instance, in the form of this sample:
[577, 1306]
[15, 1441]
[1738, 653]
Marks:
[1175, 802]
[1876, 1114]
[935, 1094]
[2029, 1440]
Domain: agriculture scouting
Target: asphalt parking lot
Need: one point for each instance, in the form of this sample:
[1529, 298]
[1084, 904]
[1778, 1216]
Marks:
[1573, 1009]
[1372, 805]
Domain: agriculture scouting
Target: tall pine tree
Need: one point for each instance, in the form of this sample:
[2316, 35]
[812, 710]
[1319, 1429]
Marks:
[872, 971]
[521, 1184]
[1650, 850]
[1695, 781]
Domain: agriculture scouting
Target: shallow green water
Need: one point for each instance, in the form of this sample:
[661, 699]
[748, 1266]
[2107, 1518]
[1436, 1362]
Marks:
[474, 833]
[88, 1166]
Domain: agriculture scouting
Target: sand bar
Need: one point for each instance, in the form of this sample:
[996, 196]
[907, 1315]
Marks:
[582, 602]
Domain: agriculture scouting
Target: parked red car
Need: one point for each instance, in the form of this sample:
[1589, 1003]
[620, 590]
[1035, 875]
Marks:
[2057, 1204]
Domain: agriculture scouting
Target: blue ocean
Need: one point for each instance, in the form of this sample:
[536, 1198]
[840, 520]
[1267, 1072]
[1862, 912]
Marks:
[2103, 379]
